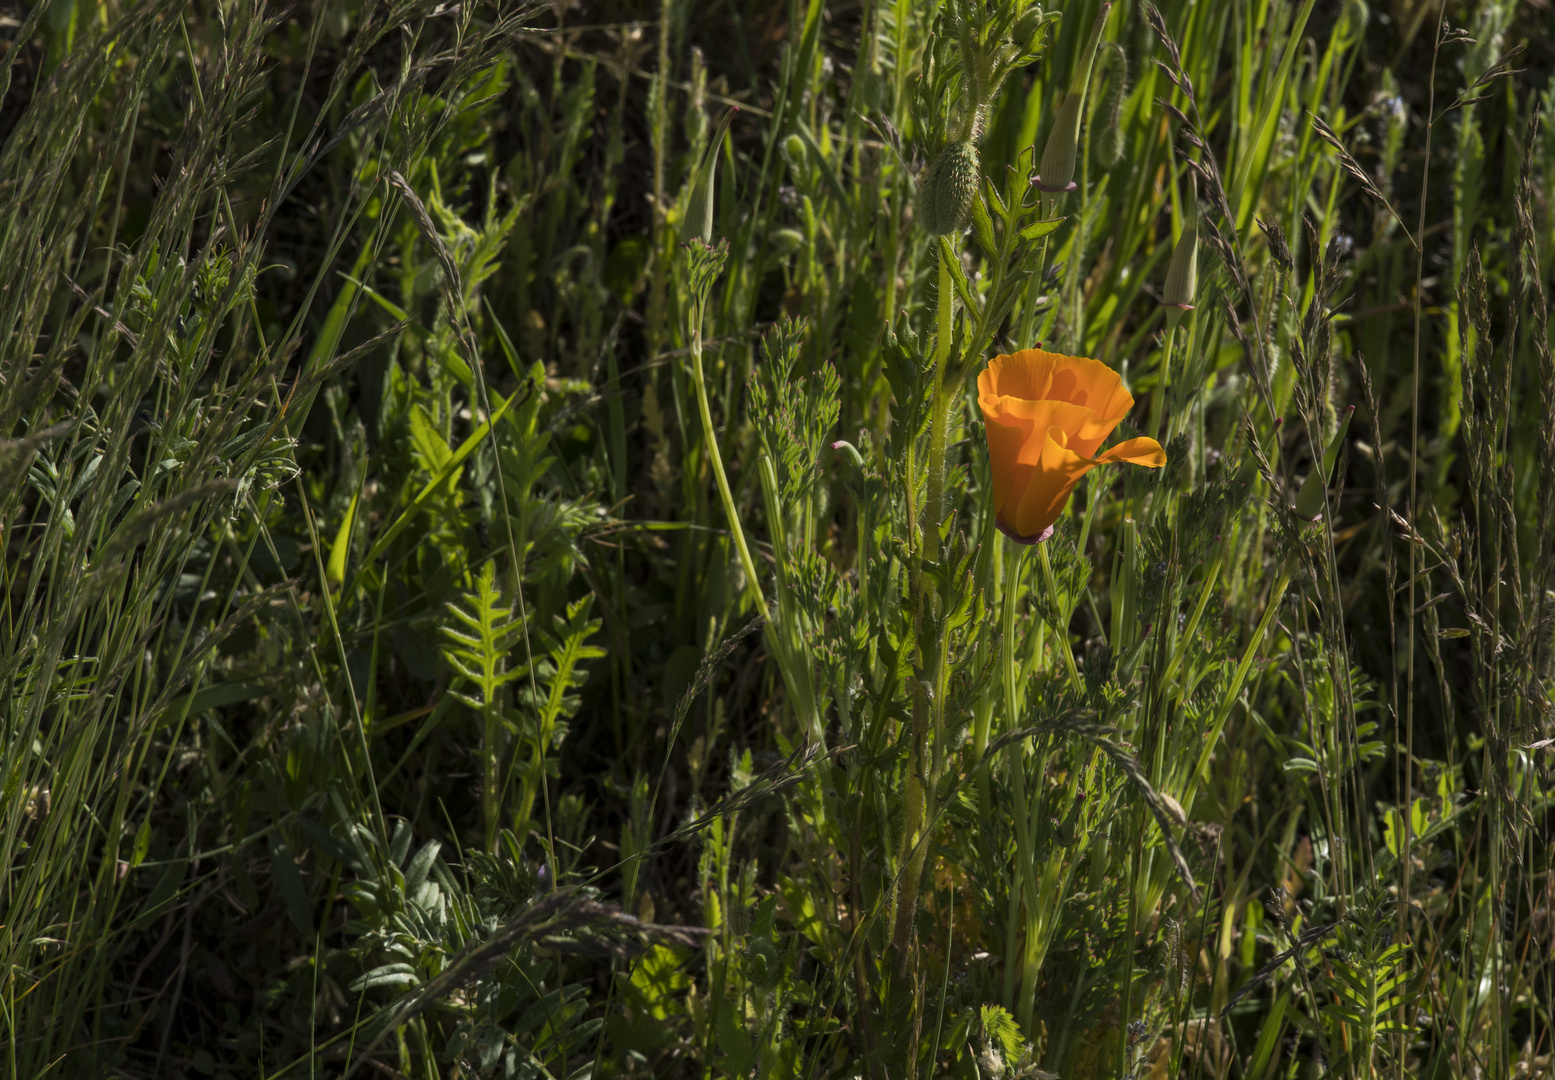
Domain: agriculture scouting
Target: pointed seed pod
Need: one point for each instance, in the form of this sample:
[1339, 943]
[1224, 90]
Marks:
[1309, 500]
[698, 222]
[1182, 273]
[1056, 173]
[946, 189]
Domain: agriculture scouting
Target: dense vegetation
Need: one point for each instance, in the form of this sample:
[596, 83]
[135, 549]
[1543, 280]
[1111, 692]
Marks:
[505, 576]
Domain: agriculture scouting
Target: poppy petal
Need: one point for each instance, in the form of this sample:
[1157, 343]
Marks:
[1035, 374]
[1046, 491]
[1141, 451]
[1015, 433]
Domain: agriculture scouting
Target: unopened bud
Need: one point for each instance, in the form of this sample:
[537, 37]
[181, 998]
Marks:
[794, 151]
[1310, 500]
[698, 222]
[1056, 173]
[1182, 273]
[786, 241]
[1028, 30]
[947, 188]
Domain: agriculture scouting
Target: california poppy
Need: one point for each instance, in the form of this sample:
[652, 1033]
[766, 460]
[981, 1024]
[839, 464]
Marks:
[1046, 414]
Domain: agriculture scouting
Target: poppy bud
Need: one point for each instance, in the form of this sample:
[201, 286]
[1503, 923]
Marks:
[947, 188]
[786, 241]
[1028, 30]
[1309, 500]
[1182, 273]
[794, 151]
[698, 222]
[1056, 172]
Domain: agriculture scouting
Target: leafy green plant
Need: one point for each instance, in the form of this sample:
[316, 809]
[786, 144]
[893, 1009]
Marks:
[549, 438]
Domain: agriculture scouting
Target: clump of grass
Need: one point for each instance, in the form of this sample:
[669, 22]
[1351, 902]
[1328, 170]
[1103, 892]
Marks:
[502, 575]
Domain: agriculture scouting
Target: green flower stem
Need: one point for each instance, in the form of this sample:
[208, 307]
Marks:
[1063, 611]
[752, 580]
[914, 850]
[933, 504]
[1158, 395]
[783, 633]
[1010, 584]
[1008, 677]
[1033, 291]
[780, 629]
[1205, 591]
[1229, 698]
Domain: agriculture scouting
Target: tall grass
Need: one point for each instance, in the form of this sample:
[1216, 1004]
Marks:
[502, 578]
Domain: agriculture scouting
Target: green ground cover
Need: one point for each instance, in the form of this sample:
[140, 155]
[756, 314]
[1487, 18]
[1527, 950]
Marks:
[505, 558]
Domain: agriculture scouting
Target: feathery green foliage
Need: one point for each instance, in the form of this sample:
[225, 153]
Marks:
[501, 571]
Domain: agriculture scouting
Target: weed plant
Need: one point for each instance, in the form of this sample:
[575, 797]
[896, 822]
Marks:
[504, 577]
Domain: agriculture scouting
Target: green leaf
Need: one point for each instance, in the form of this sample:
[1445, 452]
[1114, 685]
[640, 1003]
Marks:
[289, 881]
[387, 975]
[336, 570]
[827, 172]
[332, 845]
[1038, 229]
[733, 1040]
[1256, 151]
[142, 843]
[210, 697]
[982, 228]
[1000, 1027]
[466, 448]
[1272, 1028]
[479, 652]
[420, 866]
[952, 262]
[428, 442]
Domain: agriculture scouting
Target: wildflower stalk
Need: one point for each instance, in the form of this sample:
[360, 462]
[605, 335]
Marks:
[715, 459]
[706, 263]
[926, 712]
[1158, 395]
[1190, 633]
[1011, 690]
[1060, 612]
[1234, 690]
[1182, 276]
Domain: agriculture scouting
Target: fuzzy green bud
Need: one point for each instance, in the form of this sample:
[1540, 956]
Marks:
[1056, 173]
[794, 151]
[1028, 30]
[1182, 273]
[1309, 500]
[946, 189]
[785, 241]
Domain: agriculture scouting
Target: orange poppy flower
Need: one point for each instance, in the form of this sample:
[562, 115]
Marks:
[1046, 416]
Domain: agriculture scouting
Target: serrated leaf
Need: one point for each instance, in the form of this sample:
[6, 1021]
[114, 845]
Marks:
[982, 228]
[1038, 229]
